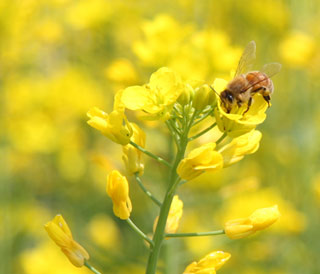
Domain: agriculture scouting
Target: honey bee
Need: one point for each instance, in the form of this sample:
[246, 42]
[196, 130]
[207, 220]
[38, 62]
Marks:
[246, 83]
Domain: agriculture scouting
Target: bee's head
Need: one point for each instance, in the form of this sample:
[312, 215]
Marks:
[227, 99]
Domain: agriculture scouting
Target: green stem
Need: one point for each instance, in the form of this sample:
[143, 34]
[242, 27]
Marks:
[203, 117]
[138, 179]
[195, 234]
[174, 180]
[139, 232]
[224, 135]
[159, 159]
[91, 268]
[174, 132]
[202, 132]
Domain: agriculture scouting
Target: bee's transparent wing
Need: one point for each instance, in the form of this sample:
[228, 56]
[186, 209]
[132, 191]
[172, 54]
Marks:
[247, 59]
[271, 69]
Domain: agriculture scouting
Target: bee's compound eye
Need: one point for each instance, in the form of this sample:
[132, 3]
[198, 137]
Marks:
[230, 97]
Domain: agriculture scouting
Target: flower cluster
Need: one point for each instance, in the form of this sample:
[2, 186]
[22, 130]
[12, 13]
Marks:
[181, 105]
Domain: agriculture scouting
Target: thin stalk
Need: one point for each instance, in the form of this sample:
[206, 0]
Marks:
[202, 132]
[224, 135]
[149, 194]
[159, 159]
[174, 132]
[203, 117]
[91, 268]
[195, 234]
[139, 232]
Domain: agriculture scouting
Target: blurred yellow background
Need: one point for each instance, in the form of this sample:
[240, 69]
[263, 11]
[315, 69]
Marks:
[59, 58]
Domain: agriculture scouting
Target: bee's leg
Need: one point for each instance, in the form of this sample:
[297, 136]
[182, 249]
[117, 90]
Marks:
[249, 104]
[267, 99]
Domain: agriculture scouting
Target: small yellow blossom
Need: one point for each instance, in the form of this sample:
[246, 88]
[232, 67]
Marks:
[162, 39]
[175, 214]
[199, 160]
[258, 220]
[84, 14]
[209, 264]
[114, 126]
[239, 120]
[297, 49]
[60, 233]
[121, 71]
[132, 157]
[239, 147]
[157, 97]
[104, 232]
[118, 190]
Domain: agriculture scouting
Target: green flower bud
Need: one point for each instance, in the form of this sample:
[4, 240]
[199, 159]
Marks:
[186, 95]
[203, 97]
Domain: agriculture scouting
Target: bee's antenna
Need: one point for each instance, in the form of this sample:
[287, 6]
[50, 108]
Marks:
[215, 91]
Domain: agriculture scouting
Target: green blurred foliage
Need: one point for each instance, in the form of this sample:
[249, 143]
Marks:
[59, 58]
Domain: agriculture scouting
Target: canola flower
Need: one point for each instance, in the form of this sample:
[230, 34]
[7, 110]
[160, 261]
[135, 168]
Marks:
[181, 105]
[258, 220]
[240, 120]
[199, 160]
[60, 233]
[209, 264]
[157, 97]
[118, 190]
[114, 126]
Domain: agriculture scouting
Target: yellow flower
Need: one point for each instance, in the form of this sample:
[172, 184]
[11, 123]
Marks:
[199, 160]
[258, 220]
[118, 190]
[209, 264]
[175, 215]
[157, 97]
[114, 126]
[132, 157]
[297, 49]
[162, 39]
[121, 71]
[60, 233]
[240, 120]
[239, 147]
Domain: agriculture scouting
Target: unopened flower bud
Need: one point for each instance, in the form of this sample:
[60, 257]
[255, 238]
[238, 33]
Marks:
[203, 97]
[186, 95]
[258, 220]
[118, 190]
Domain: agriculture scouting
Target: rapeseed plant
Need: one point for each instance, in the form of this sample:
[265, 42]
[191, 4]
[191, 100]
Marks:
[181, 105]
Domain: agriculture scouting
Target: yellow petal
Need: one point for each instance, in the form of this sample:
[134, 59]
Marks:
[76, 254]
[219, 85]
[118, 190]
[57, 234]
[264, 217]
[136, 97]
